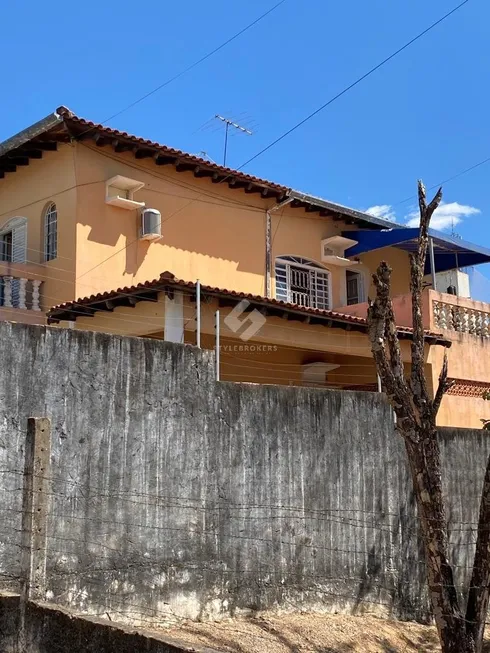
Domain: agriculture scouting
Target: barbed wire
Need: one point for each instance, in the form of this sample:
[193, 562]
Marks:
[220, 503]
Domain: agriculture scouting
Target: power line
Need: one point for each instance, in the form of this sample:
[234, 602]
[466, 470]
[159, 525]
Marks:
[351, 86]
[416, 38]
[446, 181]
[198, 62]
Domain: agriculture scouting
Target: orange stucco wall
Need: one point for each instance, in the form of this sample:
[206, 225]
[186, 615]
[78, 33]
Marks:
[399, 262]
[209, 231]
[25, 194]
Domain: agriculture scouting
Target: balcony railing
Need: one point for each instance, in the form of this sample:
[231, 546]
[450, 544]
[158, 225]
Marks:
[18, 292]
[440, 311]
[457, 317]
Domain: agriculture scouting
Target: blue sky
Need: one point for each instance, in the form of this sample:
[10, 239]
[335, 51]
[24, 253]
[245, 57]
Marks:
[424, 114]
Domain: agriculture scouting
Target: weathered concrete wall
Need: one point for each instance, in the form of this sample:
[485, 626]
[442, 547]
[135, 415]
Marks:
[49, 629]
[174, 496]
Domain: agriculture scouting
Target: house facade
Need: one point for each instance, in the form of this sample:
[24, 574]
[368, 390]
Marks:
[91, 217]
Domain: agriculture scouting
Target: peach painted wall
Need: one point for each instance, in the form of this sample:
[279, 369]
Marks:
[209, 231]
[26, 193]
[147, 318]
[402, 307]
[297, 233]
[468, 356]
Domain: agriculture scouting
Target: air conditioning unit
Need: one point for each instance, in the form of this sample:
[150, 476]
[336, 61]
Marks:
[333, 250]
[151, 224]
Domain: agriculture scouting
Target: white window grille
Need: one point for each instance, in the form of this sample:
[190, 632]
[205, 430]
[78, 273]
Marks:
[355, 287]
[50, 232]
[303, 282]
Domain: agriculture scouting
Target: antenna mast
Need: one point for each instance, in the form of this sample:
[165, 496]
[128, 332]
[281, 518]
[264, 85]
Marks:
[229, 123]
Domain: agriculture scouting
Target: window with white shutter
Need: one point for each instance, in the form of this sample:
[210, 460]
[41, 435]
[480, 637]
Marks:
[13, 248]
[13, 240]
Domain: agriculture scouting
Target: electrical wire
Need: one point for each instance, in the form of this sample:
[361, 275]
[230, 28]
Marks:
[352, 337]
[354, 84]
[449, 179]
[302, 122]
[196, 63]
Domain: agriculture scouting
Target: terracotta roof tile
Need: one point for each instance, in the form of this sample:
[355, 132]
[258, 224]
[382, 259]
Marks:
[168, 280]
[165, 149]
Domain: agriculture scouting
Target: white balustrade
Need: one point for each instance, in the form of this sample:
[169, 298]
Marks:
[452, 317]
[35, 294]
[19, 292]
[22, 293]
[7, 292]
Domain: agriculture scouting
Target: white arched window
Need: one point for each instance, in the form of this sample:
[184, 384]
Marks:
[302, 281]
[13, 240]
[50, 232]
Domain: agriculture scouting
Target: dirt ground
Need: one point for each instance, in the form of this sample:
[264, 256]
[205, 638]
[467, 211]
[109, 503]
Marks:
[299, 633]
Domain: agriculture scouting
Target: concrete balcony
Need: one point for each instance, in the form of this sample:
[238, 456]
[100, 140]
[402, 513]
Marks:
[441, 312]
[451, 313]
[20, 293]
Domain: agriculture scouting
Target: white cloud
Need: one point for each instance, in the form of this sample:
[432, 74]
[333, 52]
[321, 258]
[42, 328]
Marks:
[445, 216]
[384, 211]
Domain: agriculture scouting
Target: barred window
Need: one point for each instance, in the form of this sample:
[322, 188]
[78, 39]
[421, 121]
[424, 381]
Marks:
[302, 281]
[50, 232]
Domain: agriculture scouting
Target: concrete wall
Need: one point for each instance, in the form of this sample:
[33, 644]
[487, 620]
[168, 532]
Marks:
[49, 629]
[173, 496]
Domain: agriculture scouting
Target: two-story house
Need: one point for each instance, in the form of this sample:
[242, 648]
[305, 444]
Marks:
[127, 236]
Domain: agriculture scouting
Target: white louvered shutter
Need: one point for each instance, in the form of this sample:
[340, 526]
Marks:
[19, 249]
[19, 243]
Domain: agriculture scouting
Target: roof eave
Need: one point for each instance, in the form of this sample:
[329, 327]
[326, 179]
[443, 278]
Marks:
[41, 127]
[344, 210]
[169, 282]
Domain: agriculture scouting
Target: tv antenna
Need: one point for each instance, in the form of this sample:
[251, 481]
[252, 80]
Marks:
[229, 123]
[205, 155]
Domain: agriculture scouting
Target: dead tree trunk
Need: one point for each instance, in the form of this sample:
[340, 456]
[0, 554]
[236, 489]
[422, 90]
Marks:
[416, 411]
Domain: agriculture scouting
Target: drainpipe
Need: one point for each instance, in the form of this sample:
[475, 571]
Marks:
[268, 243]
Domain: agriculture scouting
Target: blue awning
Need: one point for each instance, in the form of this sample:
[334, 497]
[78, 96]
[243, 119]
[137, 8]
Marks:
[449, 252]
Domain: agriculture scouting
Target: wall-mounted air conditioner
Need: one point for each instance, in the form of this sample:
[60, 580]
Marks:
[316, 373]
[151, 224]
[119, 192]
[333, 250]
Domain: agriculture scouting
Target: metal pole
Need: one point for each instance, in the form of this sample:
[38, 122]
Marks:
[226, 142]
[432, 263]
[198, 313]
[217, 345]
[379, 384]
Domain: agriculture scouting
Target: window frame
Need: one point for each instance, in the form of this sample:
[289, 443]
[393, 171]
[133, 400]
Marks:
[361, 290]
[319, 300]
[50, 232]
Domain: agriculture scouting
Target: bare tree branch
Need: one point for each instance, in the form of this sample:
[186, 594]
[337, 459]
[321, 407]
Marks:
[443, 386]
[417, 412]
[478, 596]
[417, 268]
[422, 196]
